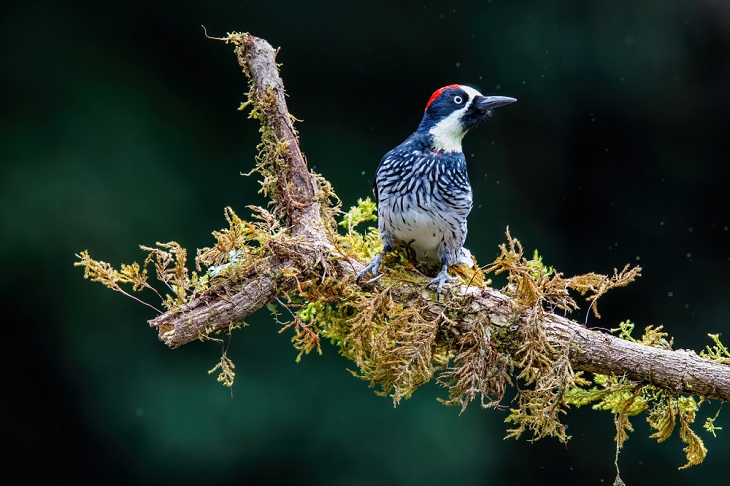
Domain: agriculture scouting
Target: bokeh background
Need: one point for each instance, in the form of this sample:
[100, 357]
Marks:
[119, 127]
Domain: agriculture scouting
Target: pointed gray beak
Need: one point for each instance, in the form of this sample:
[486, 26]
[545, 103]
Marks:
[489, 102]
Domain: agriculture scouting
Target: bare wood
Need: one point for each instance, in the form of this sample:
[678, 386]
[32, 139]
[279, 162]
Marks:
[297, 187]
[218, 311]
[680, 371]
[676, 371]
[297, 190]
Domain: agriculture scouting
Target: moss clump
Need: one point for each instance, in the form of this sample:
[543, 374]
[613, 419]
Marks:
[545, 373]
[401, 335]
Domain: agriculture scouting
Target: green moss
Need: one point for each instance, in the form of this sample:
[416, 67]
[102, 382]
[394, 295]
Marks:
[717, 352]
[625, 399]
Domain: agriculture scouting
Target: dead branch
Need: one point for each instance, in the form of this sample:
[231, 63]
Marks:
[296, 195]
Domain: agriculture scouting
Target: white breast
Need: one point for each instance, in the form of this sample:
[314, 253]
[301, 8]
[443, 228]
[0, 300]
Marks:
[421, 230]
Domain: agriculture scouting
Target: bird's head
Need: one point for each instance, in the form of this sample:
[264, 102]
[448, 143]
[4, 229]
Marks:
[453, 110]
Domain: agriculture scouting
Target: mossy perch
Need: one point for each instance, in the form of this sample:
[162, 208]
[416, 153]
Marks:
[476, 341]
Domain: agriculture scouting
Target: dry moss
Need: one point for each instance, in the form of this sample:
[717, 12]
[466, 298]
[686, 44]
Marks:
[401, 335]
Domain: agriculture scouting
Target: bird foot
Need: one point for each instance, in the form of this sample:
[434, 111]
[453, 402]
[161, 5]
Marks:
[372, 267]
[441, 278]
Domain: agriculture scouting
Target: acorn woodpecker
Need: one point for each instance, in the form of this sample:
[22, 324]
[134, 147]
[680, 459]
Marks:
[422, 187]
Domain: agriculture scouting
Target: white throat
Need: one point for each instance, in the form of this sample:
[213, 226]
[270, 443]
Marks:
[448, 133]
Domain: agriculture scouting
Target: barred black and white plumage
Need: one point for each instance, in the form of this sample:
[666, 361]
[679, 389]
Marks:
[422, 186]
[424, 198]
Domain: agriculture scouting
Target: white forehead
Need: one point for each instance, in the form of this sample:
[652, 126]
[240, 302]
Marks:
[471, 92]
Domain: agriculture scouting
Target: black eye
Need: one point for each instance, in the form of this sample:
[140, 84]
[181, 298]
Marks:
[458, 99]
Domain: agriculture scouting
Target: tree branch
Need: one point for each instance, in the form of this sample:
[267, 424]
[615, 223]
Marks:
[295, 197]
[680, 371]
[296, 193]
[297, 200]
[474, 340]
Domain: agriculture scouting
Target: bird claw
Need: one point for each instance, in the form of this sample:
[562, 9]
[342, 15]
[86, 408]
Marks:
[440, 279]
[372, 267]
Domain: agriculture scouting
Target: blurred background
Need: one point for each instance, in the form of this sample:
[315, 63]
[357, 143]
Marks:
[119, 127]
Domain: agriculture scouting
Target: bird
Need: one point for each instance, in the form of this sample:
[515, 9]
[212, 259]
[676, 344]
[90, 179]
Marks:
[422, 187]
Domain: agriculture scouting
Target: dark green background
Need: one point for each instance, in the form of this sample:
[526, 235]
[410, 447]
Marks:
[119, 127]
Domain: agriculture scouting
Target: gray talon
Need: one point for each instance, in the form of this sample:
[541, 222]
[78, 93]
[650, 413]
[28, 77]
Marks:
[372, 267]
[441, 278]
